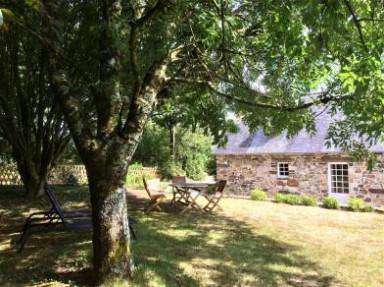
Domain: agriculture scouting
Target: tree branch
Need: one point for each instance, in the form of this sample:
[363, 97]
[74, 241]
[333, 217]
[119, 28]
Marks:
[356, 22]
[150, 14]
[370, 20]
[135, 26]
[323, 98]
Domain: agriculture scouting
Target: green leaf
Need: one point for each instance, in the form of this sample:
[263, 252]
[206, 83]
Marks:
[7, 13]
[33, 3]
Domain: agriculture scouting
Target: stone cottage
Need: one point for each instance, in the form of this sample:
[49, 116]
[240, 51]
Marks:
[299, 165]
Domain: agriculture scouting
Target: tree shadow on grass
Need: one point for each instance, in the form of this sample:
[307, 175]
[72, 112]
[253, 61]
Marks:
[214, 250]
[172, 250]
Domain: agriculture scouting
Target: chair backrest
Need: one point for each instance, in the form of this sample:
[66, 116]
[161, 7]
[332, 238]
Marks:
[146, 187]
[220, 185]
[55, 203]
[179, 179]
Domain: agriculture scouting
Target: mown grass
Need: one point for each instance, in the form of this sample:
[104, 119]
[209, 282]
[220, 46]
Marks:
[247, 244]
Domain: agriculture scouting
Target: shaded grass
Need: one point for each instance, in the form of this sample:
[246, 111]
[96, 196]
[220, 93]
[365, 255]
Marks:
[248, 244]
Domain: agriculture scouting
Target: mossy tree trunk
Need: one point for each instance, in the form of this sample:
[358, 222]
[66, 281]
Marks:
[107, 139]
[111, 240]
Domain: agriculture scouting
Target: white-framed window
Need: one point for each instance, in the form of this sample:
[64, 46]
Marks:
[282, 170]
[338, 180]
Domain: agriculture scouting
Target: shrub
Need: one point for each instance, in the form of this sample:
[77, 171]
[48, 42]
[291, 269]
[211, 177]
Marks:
[358, 204]
[292, 199]
[368, 208]
[170, 168]
[135, 176]
[258, 194]
[72, 180]
[279, 197]
[355, 203]
[309, 201]
[193, 150]
[331, 203]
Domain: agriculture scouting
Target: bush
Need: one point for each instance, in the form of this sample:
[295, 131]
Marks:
[258, 194]
[357, 204]
[292, 199]
[135, 176]
[331, 203]
[169, 169]
[279, 197]
[72, 180]
[193, 154]
[309, 201]
[368, 208]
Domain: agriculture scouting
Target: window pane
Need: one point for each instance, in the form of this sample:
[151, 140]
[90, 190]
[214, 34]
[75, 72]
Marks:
[339, 178]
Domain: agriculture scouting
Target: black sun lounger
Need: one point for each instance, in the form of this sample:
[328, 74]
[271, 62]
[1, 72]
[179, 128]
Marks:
[57, 220]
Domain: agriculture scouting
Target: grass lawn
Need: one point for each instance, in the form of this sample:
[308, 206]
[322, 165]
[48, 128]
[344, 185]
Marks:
[247, 244]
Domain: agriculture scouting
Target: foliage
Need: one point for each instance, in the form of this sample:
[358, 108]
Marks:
[136, 174]
[308, 201]
[368, 208]
[279, 197]
[258, 194]
[153, 149]
[295, 199]
[358, 204]
[170, 168]
[330, 203]
[193, 152]
[355, 203]
[211, 189]
[73, 180]
[292, 199]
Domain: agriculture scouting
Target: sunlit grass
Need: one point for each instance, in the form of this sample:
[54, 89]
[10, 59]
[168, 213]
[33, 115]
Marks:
[247, 244]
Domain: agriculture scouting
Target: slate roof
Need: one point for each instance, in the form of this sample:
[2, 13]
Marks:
[245, 142]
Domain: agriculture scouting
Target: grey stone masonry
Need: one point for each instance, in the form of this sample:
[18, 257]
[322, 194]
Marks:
[308, 175]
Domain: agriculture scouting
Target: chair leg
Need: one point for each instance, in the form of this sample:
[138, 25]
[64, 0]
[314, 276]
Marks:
[23, 239]
[133, 234]
[152, 205]
[174, 193]
[211, 205]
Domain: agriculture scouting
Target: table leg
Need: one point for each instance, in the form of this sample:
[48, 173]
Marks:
[192, 203]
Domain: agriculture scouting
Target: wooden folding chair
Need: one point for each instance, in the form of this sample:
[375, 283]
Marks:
[214, 198]
[178, 193]
[155, 199]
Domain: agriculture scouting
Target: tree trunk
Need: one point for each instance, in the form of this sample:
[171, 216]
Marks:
[33, 181]
[34, 187]
[111, 238]
[172, 142]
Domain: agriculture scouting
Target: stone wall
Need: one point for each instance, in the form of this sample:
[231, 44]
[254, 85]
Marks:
[308, 175]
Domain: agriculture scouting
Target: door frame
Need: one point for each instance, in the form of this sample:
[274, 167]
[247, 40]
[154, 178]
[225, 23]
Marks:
[341, 197]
